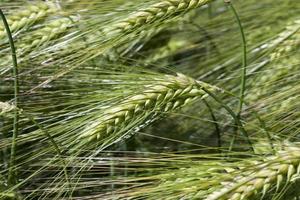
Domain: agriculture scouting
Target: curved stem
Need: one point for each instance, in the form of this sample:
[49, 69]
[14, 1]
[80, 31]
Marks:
[12, 179]
[244, 65]
[261, 121]
[233, 115]
[215, 123]
[54, 144]
[244, 59]
[266, 131]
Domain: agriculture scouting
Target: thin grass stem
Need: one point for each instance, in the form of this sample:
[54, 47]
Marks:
[12, 179]
[233, 115]
[244, 65]
[54, 144]
[218, 132]
[244, 58]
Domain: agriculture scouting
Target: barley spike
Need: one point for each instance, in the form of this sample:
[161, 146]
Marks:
[49, 32]
[272, 174]
[168, 93]
[164, 9]
[27, 16]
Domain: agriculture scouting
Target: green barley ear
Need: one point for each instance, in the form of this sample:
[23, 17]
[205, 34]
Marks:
[157, 11]
[265, 179]
[105, 36]
[164, 95]
[40, 37]
[27, 16]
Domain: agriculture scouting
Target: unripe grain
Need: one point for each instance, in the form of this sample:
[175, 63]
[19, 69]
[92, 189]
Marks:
[164, 95]
[27, 16]
[257, 182]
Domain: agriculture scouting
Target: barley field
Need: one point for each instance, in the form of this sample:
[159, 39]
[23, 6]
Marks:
[150, 99]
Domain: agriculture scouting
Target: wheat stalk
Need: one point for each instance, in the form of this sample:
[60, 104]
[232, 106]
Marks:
[166, 94]
[27, 16]
[267, 176]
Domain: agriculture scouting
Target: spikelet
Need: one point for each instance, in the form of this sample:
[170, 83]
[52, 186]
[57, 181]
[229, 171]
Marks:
[160, 13]
[44, 35]
[166, 94]
[162, 10]
[37, 38]
[264, 177]
[27, 16]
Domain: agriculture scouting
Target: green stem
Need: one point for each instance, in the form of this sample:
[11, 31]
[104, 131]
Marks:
[233, 139]
[233, 115]
[12, 179]
[244, 65]
[215, 123]
[244, 59]
[54, 144]
[261, 121]
[264, 127]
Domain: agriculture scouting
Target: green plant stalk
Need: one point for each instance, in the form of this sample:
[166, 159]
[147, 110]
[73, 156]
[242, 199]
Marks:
[244, 60]
[11, 174]
[48, 135]
[244, 65]
[233, 115]
[215, 123]
[54, 144]
[265, 128]
[261, 121]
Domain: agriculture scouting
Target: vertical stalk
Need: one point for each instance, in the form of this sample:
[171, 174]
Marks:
[215, 123]
[244, 58]
[244, 66]
[12, 173]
